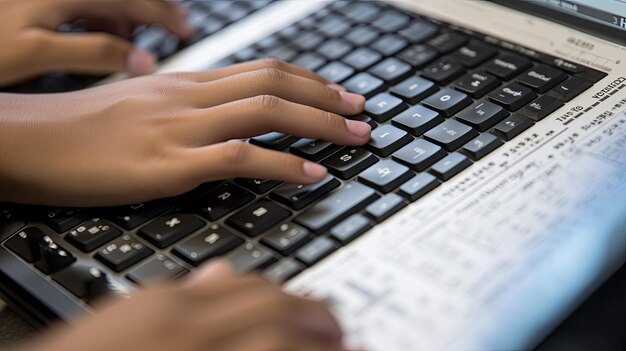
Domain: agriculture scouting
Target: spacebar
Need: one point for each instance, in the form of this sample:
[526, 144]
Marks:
[337, 206]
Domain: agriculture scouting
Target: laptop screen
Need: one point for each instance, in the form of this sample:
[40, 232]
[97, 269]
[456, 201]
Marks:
[602, 18]
[610, 13]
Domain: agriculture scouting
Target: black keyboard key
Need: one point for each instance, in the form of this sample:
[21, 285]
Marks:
[333, 26]
[419, 31]
[414, 89]
[443, 71]
[313, 149]
[476, 84]
[512, 126]
[385, 176]
[273, 140]
[283, 270]
[541, 107]
[224, 199]
[418, 186]
[383, 106]
[482, 145]
[386, 139]
[314, 251]
[391, 21]
[482, 115]
[247, 54]
[259, 186]
[334, 49]
[307, 41]
[570, 88]
[286, 238]
[283, 53]
[340, 204]
[512, 96]
[362, 58]
[298, 196]
[157, 269]
[9, 221]
[166, 230]
[212, 242]
[362, 35]
[417, 120]
[250, 257]
[447, 101]
[451, 134]
[85, 281]
[507, 66]
[123, 252]
[418, 55]
[450, 166]
[384, 207]
[92, 234]
[391, 70]
[542, 78]
[419, 154]
[350, 228]
[271, 42]
[348, 162]
[360, 12]
[474, 53]
[447, 41]
[62, 219]
[364, 84]
[132, 216]
[26, 243]
[256, 218]
[389, 44]
[310, 61]
[336, 72]
[364, 118]
[52, 257]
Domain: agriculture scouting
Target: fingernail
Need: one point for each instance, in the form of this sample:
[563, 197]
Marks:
[360, 129]
[313, 170]
[140, 62]
[336, 87]
[355, 100]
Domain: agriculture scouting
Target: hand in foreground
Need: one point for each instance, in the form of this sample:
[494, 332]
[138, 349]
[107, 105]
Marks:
[163, 135]
[214, 310]
[31, 46]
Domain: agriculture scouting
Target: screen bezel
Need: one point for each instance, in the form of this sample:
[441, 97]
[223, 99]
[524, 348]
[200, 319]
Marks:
[614, 35]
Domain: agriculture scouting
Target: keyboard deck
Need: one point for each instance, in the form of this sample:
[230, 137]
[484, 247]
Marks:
[439, 98]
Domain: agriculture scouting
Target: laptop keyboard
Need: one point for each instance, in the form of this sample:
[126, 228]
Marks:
[439, 98]
[205, 17]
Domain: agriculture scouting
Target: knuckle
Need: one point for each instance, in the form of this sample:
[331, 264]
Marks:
[333, 121]
[272, 63]
[235, 151]
[267, 102]
[272, 75]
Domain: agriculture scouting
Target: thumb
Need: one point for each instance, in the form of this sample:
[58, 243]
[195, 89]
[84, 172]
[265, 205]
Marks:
[93, 53]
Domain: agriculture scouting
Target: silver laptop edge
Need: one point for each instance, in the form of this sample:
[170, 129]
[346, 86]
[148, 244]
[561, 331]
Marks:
[495, 258]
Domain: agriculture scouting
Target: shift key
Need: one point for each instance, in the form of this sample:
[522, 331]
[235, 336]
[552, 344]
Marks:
[337, 206]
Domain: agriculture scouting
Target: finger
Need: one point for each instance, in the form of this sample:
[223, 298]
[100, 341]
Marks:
[135, 11]
[267, 113]
[94, 53]
[238, 159]
[272, 81]
[253, 66]
[267, 307]
[210, 272]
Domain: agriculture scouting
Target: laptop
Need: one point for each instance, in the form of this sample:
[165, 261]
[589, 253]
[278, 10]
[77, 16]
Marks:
[490, 202]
